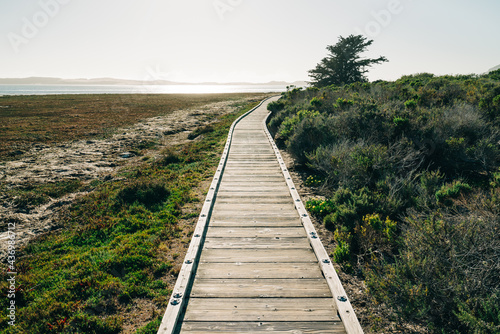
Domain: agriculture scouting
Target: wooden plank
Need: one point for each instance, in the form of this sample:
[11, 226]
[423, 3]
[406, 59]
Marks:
[260, 288]
[274, 167]
[262, 182]
[331, 327]
[256, 216]
[258, 255]
[254, 194]
[245, 243]
[261, 309]
[249, 220]
[259, 207]
[253, 232]
[280, 189]
[259, 270]
[253, 178]
[254, 200]
[237, 172]
[253, 223]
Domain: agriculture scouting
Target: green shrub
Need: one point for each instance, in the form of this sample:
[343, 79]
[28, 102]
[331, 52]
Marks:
[276, 106]
[314, 181]
[494, 75]
[387, 149]
[169, 157]
[411, 104]
[342, 253]
[343, 103]
[83, 323]
[319, 208]
[316, 102]
[446, 274]
[401, 124]
[151, 328]
[309, 134]
[147, 193]
[199, 131]
[451, 191]
[289, 124]
[351, 164]
[480, 316]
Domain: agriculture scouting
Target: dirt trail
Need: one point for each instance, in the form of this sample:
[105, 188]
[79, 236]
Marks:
[88, 160]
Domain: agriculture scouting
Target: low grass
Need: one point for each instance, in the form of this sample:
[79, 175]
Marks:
[33, 195]
[28, 120]
[120, 245]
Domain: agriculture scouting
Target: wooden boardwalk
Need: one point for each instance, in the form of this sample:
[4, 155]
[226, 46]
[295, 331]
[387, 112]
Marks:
[255, 264]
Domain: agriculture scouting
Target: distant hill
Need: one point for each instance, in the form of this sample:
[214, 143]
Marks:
[494, 69]
[111, 81]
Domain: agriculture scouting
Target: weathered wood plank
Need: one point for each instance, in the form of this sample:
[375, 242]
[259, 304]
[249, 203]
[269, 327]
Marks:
[331, 327]
[253, 178]
[253, 232]
[254, 223]
[245, 222]
[261, 207]
[253, 194]
[254, 200]
[260, 288]
[258, 255]
[261, 309]
[259, 270]
[257, 242]
[239, 172]
[249, 216]
[249, 220]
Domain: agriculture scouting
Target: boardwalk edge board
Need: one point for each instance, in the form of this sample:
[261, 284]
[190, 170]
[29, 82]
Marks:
[178, 300]
[344, 307]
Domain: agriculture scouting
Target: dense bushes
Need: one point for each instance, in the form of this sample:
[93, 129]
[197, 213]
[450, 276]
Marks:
[410, 172]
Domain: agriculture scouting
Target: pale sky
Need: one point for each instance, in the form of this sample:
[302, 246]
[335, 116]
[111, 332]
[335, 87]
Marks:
[241, 40]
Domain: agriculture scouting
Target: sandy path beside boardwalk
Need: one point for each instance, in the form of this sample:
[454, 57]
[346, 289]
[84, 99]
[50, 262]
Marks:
[88, 160]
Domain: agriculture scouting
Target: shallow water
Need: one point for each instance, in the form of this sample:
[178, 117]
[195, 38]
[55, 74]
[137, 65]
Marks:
[135, 89]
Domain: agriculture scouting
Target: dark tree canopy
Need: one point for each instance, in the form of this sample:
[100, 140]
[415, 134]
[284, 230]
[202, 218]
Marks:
[344, 65]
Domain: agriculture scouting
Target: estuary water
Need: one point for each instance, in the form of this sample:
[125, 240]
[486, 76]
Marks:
[137, 89]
